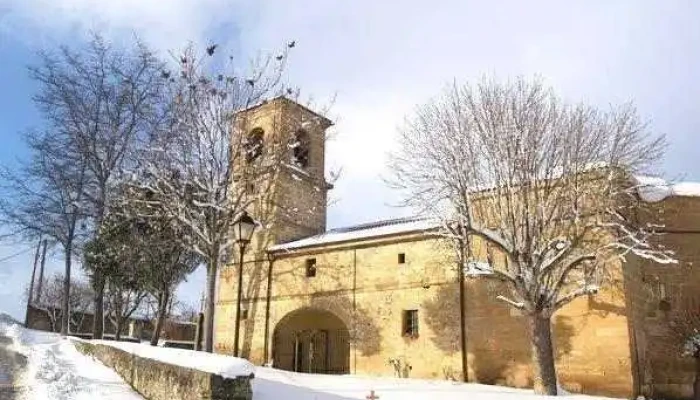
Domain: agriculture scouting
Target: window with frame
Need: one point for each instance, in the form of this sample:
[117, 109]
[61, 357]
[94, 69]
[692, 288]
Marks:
[410, 323]
[310, 267]
[402, 258]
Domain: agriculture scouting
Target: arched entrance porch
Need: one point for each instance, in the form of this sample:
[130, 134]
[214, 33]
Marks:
[311, 340]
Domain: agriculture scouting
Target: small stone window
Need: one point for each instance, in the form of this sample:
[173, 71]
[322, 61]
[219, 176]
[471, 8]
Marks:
[253, 145]
[402, 258]
[310, 267]
[300, 149]
[410, 323]
[244, 313]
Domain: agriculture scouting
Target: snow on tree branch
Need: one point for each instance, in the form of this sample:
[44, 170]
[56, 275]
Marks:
[545, 182]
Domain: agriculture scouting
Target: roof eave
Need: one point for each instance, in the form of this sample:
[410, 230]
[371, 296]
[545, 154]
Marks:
[347, 242]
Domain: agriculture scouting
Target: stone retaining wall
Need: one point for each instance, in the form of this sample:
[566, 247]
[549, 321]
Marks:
[156, 380]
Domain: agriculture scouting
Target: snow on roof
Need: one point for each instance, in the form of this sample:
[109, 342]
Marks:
[652, 189]
[218, 364]
[364, 231]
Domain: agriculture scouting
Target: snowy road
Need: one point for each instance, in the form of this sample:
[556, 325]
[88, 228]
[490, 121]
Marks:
[55, 370]
[11, 365]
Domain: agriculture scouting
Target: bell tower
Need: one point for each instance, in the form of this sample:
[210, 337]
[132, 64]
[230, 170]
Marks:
[295, 206]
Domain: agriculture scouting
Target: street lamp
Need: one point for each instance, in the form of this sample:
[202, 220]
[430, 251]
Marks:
[243, 228]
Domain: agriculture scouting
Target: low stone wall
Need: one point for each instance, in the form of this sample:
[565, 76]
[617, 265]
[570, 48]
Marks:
[156, 380]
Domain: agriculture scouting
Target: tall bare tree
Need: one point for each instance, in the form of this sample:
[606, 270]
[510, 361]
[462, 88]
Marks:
[199, 168]
[544, 183]
[106, 100]
[44, 196]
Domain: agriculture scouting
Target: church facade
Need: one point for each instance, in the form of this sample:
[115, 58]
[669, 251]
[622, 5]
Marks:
[383, 298]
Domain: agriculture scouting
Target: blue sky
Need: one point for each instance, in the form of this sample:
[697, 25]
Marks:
[380, 60]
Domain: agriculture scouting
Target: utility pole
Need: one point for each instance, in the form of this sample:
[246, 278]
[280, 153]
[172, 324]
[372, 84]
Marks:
[31, 284]
[41, 274]
[462, 262]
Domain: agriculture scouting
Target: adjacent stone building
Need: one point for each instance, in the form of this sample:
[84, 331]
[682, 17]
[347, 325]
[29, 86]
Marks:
[383, 298]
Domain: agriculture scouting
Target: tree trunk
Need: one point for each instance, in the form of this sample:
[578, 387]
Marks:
[545, 374]
[98, 302]
[98, 284]
[118, 328]
[52, 319]
[209, 306]
[163, 300]
[696, 383]
[65, 306]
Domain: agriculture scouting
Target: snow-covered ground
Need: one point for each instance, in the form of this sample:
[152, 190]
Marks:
[57, 371]
[271, 384]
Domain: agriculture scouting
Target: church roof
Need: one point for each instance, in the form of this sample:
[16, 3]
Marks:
[263, 102]
[371, 230]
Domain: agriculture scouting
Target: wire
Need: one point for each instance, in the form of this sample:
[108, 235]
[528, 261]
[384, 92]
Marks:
[15, 255]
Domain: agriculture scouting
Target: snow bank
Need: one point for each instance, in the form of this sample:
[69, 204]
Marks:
[57, 371]
[272, 384]
[218, 364]
[365, 231]
[653, 189]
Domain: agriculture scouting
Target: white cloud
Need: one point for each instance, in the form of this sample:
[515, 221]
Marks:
[381, 59]
[166, 25]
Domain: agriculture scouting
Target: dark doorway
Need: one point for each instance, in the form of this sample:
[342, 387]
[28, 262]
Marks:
[312, 341]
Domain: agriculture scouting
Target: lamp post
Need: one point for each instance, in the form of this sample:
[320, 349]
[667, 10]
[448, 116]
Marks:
[243, 228]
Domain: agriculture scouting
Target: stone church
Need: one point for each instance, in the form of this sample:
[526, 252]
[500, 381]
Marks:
[382, 298]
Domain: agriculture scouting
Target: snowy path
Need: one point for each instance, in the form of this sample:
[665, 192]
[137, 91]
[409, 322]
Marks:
[271, 384]
[57, 371]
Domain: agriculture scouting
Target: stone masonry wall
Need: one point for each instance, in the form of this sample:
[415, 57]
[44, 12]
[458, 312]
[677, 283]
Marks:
[156, 380]
[657, 291]
[367, 289]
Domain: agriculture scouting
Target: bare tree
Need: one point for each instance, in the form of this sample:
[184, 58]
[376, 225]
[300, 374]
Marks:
[52, 298]
[171, 264]
[199, 169]
[45, 197]
[118, 252]
[684, 326]
[124, 297]
[185, 311]
[545, 184]
[105, 100]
